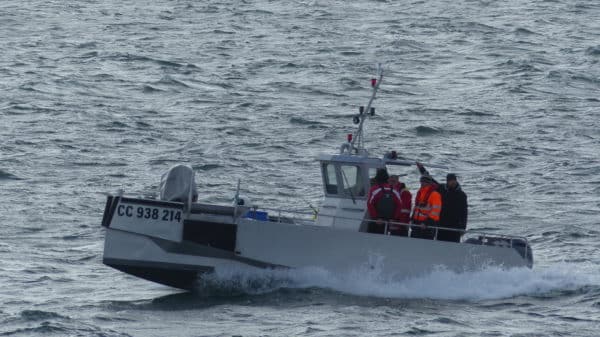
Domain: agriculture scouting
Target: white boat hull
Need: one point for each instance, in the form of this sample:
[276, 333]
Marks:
[208, 241]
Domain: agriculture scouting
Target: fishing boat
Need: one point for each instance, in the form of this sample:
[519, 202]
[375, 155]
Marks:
[174, 239]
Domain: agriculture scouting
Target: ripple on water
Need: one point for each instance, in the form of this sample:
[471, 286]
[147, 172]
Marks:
[427, 131]
[4, 175]
[37, 315]
[267, 87]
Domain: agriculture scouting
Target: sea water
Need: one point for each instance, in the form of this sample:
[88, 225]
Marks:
[98, 96]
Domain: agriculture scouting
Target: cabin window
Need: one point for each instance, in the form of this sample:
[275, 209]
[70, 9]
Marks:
[331, 185]
[372, 174]
[353, 180]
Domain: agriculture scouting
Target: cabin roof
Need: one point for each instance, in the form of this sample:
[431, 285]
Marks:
[352, 159]
[369, 161]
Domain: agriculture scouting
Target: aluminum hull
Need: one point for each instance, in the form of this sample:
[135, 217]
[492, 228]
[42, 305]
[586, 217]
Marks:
[209, 241]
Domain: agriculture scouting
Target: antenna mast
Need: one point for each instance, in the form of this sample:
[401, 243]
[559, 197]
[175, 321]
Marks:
[357, 142]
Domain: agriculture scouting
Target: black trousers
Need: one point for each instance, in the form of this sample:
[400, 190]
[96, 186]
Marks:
[422, 233]
[397, 230]
[451, 236]
[376, 228]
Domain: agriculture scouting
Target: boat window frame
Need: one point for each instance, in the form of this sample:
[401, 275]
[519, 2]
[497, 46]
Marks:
[326, 180]
[341, 191]
[359, 190]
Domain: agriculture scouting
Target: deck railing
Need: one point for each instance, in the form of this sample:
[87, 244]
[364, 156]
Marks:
[483, 238]
[309, 219]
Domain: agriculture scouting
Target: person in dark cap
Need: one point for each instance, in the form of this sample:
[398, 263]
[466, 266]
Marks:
[454, 211]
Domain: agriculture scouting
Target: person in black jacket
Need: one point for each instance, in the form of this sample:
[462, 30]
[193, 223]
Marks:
[454, 210]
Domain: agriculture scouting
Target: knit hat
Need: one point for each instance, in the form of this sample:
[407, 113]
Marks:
[426, 179]
[450, 176]
[381, 176]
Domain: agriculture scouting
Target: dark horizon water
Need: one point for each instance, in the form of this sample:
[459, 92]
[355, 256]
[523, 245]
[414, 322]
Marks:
[104, 95]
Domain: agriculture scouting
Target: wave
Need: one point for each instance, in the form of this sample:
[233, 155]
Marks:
[594, 51]
[169, 80]
[303, 121]
[469, 112]
[59, 326]
[524, 31]
[206, 167]
[127, 57]
[113, 126]
[489, 283]
[423, 131]
[148, 89]
[426, 130]
[8, 176]
[38, 315]
[44, 329]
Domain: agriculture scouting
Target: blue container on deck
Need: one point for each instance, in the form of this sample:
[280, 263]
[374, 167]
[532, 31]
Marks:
[257, 215]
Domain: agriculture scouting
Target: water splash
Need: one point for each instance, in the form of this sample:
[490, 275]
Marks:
[489, 283]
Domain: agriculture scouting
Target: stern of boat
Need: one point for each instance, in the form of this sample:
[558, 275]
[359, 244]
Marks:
[154, 240]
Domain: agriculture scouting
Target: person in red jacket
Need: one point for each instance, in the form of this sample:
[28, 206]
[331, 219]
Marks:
[383, 203]
[405, 205]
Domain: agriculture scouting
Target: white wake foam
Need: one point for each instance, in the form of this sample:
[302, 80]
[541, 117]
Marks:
[488, 283]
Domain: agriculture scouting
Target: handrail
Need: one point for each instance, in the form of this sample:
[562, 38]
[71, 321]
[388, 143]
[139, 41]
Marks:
[463, 231]
[308, 216]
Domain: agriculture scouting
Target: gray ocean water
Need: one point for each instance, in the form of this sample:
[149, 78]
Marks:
[97, 96]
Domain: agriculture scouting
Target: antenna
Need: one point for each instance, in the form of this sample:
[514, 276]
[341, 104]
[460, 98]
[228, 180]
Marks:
[363, 114]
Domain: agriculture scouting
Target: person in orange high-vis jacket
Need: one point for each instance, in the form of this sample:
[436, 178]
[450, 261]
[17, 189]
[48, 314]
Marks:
[428, 206]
